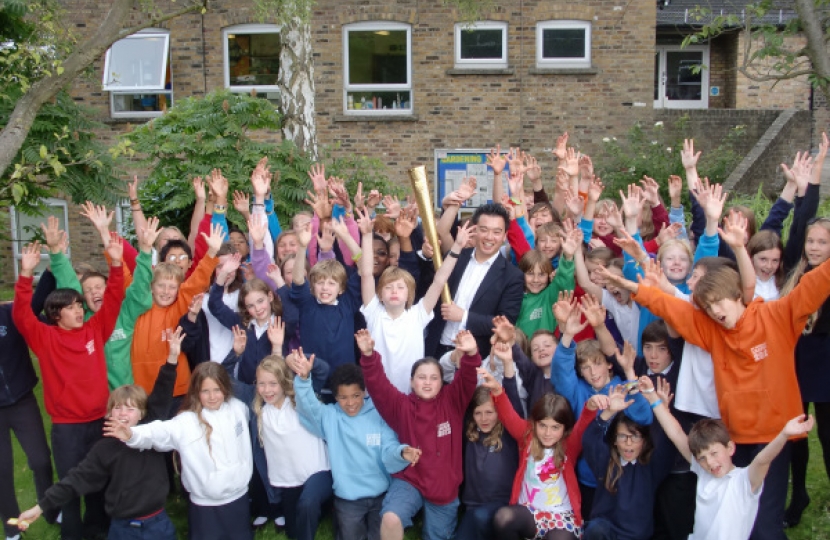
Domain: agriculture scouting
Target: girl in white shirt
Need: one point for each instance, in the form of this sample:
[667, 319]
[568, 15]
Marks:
[765, 249]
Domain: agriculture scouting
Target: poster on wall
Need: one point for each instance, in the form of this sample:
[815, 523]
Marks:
[453, 165]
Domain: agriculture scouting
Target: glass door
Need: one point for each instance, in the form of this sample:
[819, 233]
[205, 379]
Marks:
[681, 78]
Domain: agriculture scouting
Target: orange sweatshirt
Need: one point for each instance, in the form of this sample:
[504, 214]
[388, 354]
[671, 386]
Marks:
[754, 362]
[149, 349]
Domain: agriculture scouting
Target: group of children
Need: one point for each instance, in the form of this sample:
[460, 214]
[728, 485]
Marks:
[287, 368]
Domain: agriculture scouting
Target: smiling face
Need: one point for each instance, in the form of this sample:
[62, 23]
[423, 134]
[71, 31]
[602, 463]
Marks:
[601, 226]
[657, 356]
[93, 289]
[536, 280]
[286, 245]
[72, 316]
[381, 257]
[716, 459]
[550, 245]
[394, 294]
[165, 291]
[126, 413]
[676, 263]
[548, 431]
[542, 349]
[766, 263]
[179, 257]
[268, 388]
[726, 311]
[596, 371]
[258, 306]
[426, 381]
[490, 233]
[485, 417]
[326, 290]
[210, 395]
[350, 398]
[817, 244]
[629, 443]
[540, 218]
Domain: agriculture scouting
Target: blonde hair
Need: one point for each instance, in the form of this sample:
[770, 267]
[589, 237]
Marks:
[166, 270]
[394, 273]
[130, 395]
[647, 230]
[276, 366]
[800, 269]
[589, 350]
[328, 269]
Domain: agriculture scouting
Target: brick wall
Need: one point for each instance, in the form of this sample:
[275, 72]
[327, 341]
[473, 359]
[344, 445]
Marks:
[785, 94]
[709, 127]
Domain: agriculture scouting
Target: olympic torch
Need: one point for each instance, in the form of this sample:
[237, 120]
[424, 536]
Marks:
[420, 185]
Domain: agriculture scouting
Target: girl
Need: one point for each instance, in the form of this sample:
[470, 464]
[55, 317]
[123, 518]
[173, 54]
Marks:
[490, 458]
[765, 249]
[292, 463]
[258, 308]
[394, 323]
[430, 418]
[211, 436]
[545, 500]
[619, 453]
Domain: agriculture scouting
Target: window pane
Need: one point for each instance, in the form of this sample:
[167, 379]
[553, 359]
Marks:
[253, 59]
[563, 43]
[377, 57]
[378, 100]
[683, 76]
[137, 62]
[481, 44]
[144, 103]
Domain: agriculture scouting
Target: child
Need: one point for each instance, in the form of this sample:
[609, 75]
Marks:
[71, 356]
[540, 291]
[171, 300]
[490, 457]
[765, 249]
[292, 462]
[365, 450]
[629, 467]
[395, 324]
[727, 496]
[545, 500]
[754, 377]
[211, 436]
[430, 418]
[135, 482]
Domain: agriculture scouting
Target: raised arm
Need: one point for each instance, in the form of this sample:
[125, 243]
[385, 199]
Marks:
[497, 162]
[583, 279]
[198, 210]
[367, 260]
[443, 274]
[734, 234]
[139, 221]
[797, 427]
[659, 399]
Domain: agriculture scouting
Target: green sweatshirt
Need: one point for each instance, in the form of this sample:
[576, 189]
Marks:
[537, 309]
[138, 299]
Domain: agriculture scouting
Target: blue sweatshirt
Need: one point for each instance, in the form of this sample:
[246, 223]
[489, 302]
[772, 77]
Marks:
[363, 449]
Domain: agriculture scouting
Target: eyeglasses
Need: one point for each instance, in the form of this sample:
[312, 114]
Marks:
[175, 258]
[624, 437]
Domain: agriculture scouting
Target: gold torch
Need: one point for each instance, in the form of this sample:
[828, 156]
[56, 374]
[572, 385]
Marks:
[420, 185]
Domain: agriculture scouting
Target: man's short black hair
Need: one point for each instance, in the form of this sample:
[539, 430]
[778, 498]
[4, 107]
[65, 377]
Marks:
[492, 209]
[346, 375]
[59, 299]
[176, 243]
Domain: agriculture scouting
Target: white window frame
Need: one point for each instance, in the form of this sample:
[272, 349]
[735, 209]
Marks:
[131, 91]
[247, 29]
[563, 63]
[377, 26]
[661, 102]
[18, 242]
[481, 63]
[144, 34]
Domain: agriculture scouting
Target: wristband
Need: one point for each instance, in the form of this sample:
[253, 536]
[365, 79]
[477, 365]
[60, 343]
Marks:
[357, 257]
[656, 403]
[219, 208]
[135, 209]
[252, 205]
[453, 254]
[649, 391]
[135, 201]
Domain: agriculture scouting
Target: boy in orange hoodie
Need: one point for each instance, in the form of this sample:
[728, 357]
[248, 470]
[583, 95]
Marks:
[752, 349]
[171, 299]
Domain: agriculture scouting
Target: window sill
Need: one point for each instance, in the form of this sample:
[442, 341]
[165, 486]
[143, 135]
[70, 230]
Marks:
[564, 71]
[376, 118]
[480, 71]
[129, 119]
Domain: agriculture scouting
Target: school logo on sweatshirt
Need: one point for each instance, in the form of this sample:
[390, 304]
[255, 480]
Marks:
[444, 429]
[535, 314]
[3, 331]
[90, 346]
[759, 352]
[373, 439]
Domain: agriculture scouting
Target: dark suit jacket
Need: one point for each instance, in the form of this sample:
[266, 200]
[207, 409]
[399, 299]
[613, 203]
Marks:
[500, 293]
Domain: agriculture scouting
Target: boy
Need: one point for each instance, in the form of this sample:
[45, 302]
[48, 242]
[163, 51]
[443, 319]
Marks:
[752, 348]
[71, 355]
[363, 449]
[135, 481]
[170, 302]
[727, 496]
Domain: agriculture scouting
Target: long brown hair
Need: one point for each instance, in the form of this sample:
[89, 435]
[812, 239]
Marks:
[480, 397]
[558, 409]
[766, 240]
[257, 285]
[192, 403]
[276, 366]
[801, 268]
[615, 467]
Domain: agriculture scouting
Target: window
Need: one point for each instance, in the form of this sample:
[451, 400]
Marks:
[252, 59]
[378, 68]
[137, 74]
[681, 77]
[563, 44]
[25, 228]
[481, 45]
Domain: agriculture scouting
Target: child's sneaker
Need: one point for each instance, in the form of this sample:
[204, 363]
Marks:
[280, 521]
[260, 521]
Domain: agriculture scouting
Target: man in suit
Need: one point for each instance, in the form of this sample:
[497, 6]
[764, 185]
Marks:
[483, 284]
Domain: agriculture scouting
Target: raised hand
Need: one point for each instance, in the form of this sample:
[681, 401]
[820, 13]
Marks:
[800, 425]
[570, 244]
[29, 259]
[654, 276]
[593, 310]
[117, 430]
[319, 202]
[393, 206]
[228, 268]
[214, 241]
[627, 243]
[261, 179]
[463, 235]
[561, 148]
[612, 216]
[571, 163]
[466, 343]
[504, 330]
[257, 228]
[664, 390]
[503, 351]
[276, 275]
[365, 224]
[373, 199]
[148, 235]
[532, 169]
[218, 184]
[573, 203]
[563, 307]
[198, 188]
[325, 237]
[617, 399]
[632, 205]
[406, 223]
[359, 199]
[132, 188]
[495, 160]
[516, 183]
[597, 402]
[734, 231]
[276, 334]
[365, 342]
[317, 173]
[240, 340]
[53, 234]
[488, 381]
[97, 215]
[467, 188]
[688, 156]
[651, 190]
[242, 203]
[174, 340]
[195, 307]
[337, 188]
[675, 190]
[586, 167]
[515, 162]
[595, 189]
[626, 358]
[668, 233]
[115, 249]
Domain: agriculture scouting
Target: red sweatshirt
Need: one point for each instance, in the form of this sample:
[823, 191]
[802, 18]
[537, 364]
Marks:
[520, 429]
[72, 362]
[754, 362]
[436, 426]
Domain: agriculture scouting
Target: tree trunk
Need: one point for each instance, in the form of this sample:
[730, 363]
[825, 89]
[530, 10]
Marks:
[811, 23]
[296, 82]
